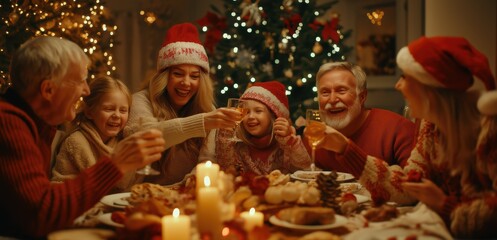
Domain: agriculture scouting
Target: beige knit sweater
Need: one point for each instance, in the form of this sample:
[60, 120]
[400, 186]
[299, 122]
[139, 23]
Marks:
[80, 149]
[175, 131]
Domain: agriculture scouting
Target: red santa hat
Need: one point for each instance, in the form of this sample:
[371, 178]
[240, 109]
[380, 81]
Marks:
[272, 94]
[182, 46]
[452, 63]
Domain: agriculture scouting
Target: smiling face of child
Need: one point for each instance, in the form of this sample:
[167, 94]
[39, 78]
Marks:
[111, 115]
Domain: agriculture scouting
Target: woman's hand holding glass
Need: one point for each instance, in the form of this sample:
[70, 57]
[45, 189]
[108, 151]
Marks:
[221, 118]
[238, 105]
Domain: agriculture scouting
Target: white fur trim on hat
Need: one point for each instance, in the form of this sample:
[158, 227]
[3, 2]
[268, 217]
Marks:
[268, 98]
[182, 53]
[411, 67]
[487, 103]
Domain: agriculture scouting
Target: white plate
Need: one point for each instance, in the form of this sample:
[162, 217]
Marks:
[306, 176]
[339, 221]
[350, 187]
[387, 233]
[106, 218]
[117, 200]
[82, 234]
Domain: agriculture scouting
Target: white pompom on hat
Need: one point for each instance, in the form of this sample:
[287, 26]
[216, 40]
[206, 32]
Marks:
[182, 46]
[272, 94]
[487, 103]
[449, 62]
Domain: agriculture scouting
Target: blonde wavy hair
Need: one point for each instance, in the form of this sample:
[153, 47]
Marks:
[203, 101]
[458, 120]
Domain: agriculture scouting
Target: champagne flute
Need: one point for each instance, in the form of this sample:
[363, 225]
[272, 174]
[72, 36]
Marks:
[315, 132]
[147, 170]
[238, 105]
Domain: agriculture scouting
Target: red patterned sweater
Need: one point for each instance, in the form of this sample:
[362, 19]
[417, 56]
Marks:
[30, 205]
[287, 155]
[471, 208]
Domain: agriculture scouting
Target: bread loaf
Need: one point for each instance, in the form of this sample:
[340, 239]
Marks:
[307, 215]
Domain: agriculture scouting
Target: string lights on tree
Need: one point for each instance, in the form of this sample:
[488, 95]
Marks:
[262, 40]
[87, 23]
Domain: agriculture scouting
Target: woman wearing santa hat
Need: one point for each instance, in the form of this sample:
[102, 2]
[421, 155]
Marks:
[179, 100]
[268, 138]
[450, 88]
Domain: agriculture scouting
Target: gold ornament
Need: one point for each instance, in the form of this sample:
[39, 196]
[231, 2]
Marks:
[317, 48]
[13, 17]
[299, 82]
[288, 73]
[50, 24]
[269, 41]
[284, 32]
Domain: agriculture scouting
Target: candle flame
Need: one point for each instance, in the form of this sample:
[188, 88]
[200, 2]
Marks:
[208, 164]
[207, 181]
[225, 232]
[252, 211]
[176, 212]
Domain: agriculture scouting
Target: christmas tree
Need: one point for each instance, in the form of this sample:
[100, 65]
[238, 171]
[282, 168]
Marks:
[263, 40]
[86, 23]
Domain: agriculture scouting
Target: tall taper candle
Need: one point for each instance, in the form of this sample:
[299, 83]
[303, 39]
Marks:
[207, 169]
[209, 210]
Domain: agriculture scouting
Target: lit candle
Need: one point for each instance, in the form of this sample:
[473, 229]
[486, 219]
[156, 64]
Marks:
[208, 210]
[252, 219]
[207, 169]
[175, 227]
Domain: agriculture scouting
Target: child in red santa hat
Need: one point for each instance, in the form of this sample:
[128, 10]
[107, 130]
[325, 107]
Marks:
[268, 139]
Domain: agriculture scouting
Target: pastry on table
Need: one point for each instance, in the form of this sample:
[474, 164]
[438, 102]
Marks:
[307, 215]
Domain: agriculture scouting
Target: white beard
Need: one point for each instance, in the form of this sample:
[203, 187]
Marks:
[340, 123]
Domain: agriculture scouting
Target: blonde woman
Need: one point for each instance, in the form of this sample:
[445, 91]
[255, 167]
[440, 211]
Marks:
[443, 82]
[179, 100]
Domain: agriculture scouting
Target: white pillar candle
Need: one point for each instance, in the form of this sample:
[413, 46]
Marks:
[207, 169]
[176, 226]
[209, 210]
[252, 219]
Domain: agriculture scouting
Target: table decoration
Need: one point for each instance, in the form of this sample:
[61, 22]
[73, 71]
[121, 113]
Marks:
[207, 169]
[208, 210]
[252, 219]
[175, 226]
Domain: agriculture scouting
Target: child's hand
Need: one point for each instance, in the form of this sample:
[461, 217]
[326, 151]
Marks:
[282, 127]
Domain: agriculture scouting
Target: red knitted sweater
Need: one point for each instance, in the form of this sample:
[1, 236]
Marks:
[30, 205]
[384, 134]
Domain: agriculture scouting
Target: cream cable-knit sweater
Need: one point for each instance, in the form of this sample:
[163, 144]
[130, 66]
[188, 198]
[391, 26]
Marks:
[81, 149]
[175, 131]
[468, 212]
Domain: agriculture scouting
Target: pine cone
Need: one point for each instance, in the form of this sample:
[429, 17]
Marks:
[330, 191]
